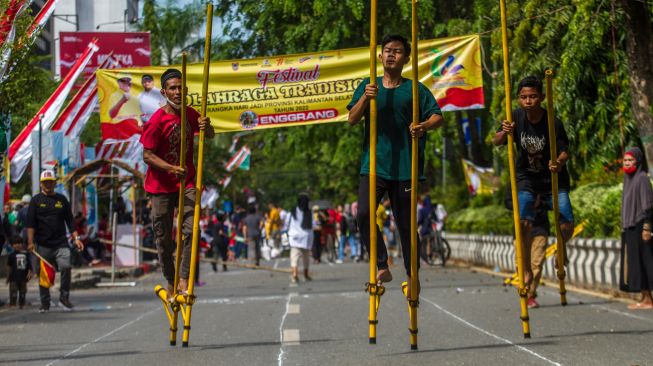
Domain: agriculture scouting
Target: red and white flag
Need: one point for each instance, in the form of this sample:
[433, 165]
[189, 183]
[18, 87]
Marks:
[74, 116]
[238, 159]
[7, 20]
[40, 20]
[8, 31]
[20, 150]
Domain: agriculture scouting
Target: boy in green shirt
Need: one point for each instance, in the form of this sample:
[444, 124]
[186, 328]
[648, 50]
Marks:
[394, 100]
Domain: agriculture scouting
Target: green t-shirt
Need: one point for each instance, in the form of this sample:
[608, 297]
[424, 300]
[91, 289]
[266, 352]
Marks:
[394, 115]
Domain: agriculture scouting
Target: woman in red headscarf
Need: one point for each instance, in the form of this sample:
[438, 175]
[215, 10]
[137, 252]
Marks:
[636, 223]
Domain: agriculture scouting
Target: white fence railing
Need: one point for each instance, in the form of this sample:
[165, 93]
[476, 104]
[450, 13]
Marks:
[592, 262]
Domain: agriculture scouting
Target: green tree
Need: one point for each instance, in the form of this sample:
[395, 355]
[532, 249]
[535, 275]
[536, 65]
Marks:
[173, 29]
[149, 24]
[583, 41]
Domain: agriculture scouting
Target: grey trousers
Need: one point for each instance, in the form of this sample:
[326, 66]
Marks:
[163, 217]
[60, 258]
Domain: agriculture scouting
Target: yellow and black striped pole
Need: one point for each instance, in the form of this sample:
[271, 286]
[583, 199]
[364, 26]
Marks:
[523, 291]
[560, 252]
[375, 289]
[190, 298]
[413, 301]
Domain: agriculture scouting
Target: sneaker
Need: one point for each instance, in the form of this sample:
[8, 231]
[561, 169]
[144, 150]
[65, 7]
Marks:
[44, 309]
[293, 279]
[339, 261]
[66, 303]
[532, 303]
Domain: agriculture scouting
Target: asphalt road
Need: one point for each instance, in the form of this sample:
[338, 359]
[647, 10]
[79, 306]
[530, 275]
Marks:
[246, 317]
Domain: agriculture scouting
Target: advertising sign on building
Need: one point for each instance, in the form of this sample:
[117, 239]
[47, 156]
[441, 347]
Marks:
[130, 49]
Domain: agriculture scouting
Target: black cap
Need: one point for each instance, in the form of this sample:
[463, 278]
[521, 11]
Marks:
[169, 74]
[147, 77]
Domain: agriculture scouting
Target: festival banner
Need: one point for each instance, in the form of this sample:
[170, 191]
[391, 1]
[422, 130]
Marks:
[302, 89]
[480, 181]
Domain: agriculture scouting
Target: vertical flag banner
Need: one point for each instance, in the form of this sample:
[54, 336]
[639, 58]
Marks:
[20, 151]
[289, 90]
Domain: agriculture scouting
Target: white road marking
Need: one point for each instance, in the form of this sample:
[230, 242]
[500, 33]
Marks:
[504, 340]
[292, 285]
[615, 311]
[238, 300]
[102, 337]
[608, 309]
[293, 309]
[291, 337]
[283, 320]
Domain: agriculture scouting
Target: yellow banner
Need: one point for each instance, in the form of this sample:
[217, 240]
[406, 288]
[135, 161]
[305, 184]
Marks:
[281, 91]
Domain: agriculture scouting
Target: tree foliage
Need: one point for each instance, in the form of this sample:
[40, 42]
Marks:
[174, 29]
[574, 38]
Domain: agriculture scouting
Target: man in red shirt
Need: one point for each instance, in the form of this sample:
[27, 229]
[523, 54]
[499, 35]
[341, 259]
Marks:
[161, 141]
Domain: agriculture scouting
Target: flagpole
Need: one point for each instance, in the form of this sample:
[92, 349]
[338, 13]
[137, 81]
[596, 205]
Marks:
[41, 258]
[523, 291]
[40, 144]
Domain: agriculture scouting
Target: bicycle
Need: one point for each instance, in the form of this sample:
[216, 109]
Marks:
[440, 247]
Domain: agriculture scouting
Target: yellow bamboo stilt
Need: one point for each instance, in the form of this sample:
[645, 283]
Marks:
[523, 291]
[170, 305]
[372, 287]
[182, 195]
[554, 188]
[190, 298]
[413, 300]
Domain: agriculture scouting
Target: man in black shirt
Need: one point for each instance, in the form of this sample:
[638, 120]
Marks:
[530, 132]
[48, 216]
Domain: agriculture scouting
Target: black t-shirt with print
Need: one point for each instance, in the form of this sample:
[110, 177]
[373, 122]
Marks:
[49, 216]
[532, 140]
[19, 264]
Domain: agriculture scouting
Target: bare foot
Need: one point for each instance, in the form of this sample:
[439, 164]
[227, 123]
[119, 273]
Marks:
[528, 278]
[640, 306]
[183, 286]
[170, 291]
[384, 275]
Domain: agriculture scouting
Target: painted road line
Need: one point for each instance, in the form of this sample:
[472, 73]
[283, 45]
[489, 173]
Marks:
[102, 337]
[238, 300]
[291, 337]
[283, 320]
[499, 338]
[293, 309]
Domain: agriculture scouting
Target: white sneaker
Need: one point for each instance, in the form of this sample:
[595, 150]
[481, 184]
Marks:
[339, 261]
